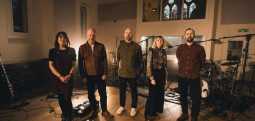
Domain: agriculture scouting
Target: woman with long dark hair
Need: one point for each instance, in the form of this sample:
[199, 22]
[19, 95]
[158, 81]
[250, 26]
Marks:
[62, 63]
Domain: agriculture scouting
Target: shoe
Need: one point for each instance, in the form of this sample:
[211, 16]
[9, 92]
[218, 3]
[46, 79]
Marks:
[107, 114]
[157, 116]
[193, 119]
[93, 114]
[183, 117]
[149, 118]
[120, 110]
[133, 112]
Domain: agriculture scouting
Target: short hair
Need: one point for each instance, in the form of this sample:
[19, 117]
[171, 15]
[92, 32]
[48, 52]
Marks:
[154, 45]
[189, 29]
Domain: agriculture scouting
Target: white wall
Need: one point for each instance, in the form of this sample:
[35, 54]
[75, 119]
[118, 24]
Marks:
[228, 30]
[24, 49]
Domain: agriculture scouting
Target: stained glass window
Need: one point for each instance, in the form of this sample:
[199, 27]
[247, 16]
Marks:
[194, 9]
[173, 7]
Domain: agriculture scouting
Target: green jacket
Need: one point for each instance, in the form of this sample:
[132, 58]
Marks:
[129, 56]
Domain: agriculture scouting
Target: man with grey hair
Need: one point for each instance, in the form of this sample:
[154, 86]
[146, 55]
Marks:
[93, 70]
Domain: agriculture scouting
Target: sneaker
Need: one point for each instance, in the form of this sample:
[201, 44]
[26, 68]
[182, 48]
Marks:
[107, 114]
[120, 110]
[133, 112]
[183, 117]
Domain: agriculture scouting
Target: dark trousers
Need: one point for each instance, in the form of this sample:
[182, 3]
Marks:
[66, 105]
[123, 86]
[91, 82]
[195, 94]
[155, 100]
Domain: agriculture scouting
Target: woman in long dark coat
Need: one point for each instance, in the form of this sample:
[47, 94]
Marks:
[157, 73]
[62, 63]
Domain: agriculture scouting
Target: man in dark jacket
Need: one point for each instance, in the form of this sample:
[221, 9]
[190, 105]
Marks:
[93, 70]
[129, 56]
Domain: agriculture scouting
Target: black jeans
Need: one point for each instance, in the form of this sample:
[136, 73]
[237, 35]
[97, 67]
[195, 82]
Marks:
[92, 80]
[155, 100]
[66, 105]
[123, 87]
[195, 94]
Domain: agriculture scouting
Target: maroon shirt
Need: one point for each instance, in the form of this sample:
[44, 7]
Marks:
[190, 60]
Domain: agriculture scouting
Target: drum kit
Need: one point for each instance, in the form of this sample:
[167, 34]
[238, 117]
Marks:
[222, 88]
[219, 87]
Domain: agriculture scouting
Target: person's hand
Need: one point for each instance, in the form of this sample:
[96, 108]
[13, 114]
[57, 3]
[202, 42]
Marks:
[166, 82]
[84, 80]
[104, 77]
[62, 79]
[153, 82]
[67, 78]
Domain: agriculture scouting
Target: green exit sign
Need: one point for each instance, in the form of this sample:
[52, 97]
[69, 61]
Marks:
[242, 30]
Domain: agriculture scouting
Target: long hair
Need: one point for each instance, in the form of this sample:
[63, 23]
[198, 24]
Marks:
[154, 45]
[56, 44]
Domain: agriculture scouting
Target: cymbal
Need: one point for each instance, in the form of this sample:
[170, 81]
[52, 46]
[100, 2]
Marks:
[230, 63]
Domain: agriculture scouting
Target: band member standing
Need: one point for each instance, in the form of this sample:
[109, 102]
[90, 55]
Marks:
[62, 63]
[191, 58]
[129, 56]
[157, 73]
[93, 70]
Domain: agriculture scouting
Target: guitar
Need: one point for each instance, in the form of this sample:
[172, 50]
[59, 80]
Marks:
[10, 87]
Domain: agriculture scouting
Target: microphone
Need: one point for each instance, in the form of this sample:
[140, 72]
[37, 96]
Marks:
[217, 41]
[170, 46]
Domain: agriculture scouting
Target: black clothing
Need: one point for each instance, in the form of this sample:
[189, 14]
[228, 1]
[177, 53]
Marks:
[123, 86]
[156, 70]
[195, 95]
[155, 100]
[63, 62]
[91, 81]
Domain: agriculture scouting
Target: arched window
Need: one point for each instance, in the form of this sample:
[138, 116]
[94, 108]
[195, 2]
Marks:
[185, 11]
[174, 7]
[166, 13]
[191, 8]
[174, 12]
[194, 9]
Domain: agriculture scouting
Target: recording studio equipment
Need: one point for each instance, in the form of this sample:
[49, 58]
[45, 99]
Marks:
[230, 63]
[216, 41]
[83, 109]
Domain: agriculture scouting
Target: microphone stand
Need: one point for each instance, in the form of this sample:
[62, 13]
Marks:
[143, 75]
[239, 102]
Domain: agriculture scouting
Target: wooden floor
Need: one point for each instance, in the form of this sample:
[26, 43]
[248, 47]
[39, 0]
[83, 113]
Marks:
[40, 109]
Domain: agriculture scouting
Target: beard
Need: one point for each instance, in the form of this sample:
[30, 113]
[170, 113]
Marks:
[128, 38]
[189, 39]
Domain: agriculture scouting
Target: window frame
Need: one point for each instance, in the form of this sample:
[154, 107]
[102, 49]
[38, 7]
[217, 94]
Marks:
[10, 26]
